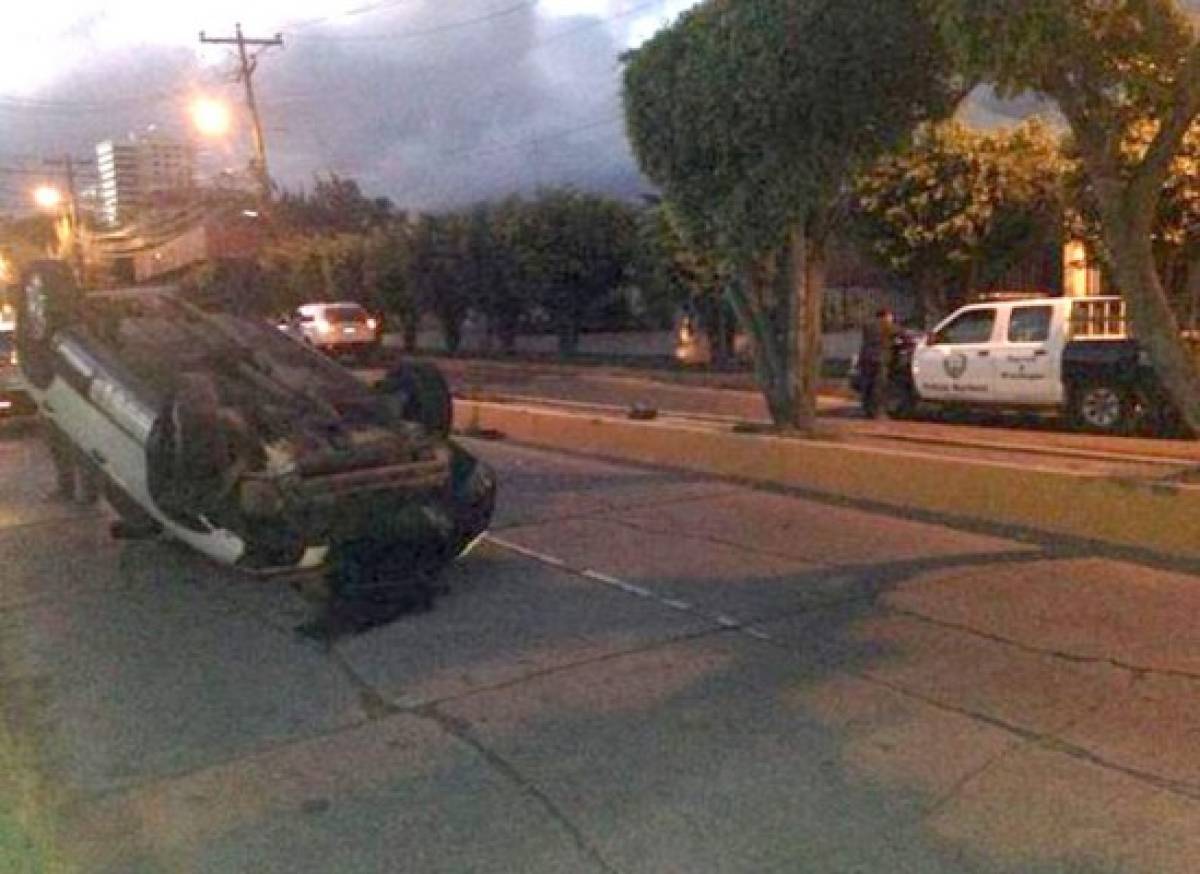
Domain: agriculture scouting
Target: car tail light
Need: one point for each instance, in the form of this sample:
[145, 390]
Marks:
[323, 327]
[372, 324]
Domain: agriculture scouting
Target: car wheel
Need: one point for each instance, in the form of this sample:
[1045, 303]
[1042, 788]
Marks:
[424, 394]
[473, 485]
[1102, 407]
[45, 299]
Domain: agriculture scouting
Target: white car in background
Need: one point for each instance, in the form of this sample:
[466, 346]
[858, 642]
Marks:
[335, 328]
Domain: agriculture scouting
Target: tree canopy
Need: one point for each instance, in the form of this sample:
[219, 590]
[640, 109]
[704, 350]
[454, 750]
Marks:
[748, 114]
[1113, 67]
[960, 207]
[752, 117]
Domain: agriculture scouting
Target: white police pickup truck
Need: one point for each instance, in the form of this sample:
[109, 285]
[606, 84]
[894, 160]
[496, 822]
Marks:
[1071, 356]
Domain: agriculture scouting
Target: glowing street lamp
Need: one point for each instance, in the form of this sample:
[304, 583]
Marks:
[47, 197]
[211, 117]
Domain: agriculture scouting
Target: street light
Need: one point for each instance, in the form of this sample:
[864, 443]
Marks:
[210, 116]
[47, 197]
[50, 198]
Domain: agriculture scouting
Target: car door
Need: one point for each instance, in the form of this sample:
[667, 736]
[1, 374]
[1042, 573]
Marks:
[1029, 362]
[956, 363]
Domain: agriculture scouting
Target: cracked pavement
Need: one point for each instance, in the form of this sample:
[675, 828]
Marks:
[640, 672]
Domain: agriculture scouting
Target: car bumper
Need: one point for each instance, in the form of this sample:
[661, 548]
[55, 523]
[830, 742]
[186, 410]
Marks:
[344, 342]
[414, 503]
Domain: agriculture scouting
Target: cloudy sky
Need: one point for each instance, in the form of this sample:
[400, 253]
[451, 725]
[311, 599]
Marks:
[427, 102]
[430, 103]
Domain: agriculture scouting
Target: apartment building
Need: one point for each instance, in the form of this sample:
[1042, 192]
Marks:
[140, 172]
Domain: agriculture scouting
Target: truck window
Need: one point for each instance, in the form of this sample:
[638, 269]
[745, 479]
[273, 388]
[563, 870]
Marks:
[1098, 317]
[1029, 324]
[973, 326]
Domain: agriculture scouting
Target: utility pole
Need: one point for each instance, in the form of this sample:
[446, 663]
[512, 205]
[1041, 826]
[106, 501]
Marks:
[67, 163]
[247, 65]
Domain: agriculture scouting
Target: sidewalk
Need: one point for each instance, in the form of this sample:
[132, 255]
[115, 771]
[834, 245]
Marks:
[1139, 503]
[733, 397]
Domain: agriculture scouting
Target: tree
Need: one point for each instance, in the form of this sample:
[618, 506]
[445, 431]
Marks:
[1111, 67]
[1176, 225]
[502, 297]
[960, 207]
[683, 276]
[752, 117]
[27, 239]
[335, 205]
[572, 250]
[437, 271]
[388, 251]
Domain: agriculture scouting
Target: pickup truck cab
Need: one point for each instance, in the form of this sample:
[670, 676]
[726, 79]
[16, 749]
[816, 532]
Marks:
[1070, 356]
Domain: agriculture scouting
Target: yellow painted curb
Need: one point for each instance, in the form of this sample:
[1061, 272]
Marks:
[1153, 517]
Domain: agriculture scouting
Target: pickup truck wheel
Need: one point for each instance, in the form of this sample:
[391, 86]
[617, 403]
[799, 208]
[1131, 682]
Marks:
[45, 298]
[424, 393]
[1102, 407]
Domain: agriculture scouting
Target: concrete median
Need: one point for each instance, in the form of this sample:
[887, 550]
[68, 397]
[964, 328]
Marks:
[1148, 514]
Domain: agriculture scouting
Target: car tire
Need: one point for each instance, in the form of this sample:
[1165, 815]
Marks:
[424, 393]
[1102, 407]
[45, 300]
[473, 486]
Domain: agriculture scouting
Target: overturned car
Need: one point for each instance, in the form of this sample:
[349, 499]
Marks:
[244, 444]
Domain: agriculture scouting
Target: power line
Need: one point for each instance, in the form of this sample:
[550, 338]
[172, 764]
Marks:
[12, 101]
[32, 171]
[23, 103]
[532, 140]
[428, 31]
[557, 36]
[348, 13]
[247, 65]
[536, 140]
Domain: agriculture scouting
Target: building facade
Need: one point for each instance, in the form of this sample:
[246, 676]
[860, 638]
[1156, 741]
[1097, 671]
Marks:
[140, 172]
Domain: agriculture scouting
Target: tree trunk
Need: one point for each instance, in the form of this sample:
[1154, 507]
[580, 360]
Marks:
[1151, 318]
[508, 336]
[929, 297]
[746, 295]
[711, 311]
[452, 334]
[568, 340]
[1193, 292]
[804, 328]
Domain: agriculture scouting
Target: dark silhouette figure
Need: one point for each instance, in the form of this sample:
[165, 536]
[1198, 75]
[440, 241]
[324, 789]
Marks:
[875, 362]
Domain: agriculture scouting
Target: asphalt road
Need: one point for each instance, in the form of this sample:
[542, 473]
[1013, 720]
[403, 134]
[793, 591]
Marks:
[640, 672]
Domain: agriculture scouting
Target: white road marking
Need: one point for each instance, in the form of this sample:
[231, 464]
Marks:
[631, 588]
[526, 551]
[721, 619]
